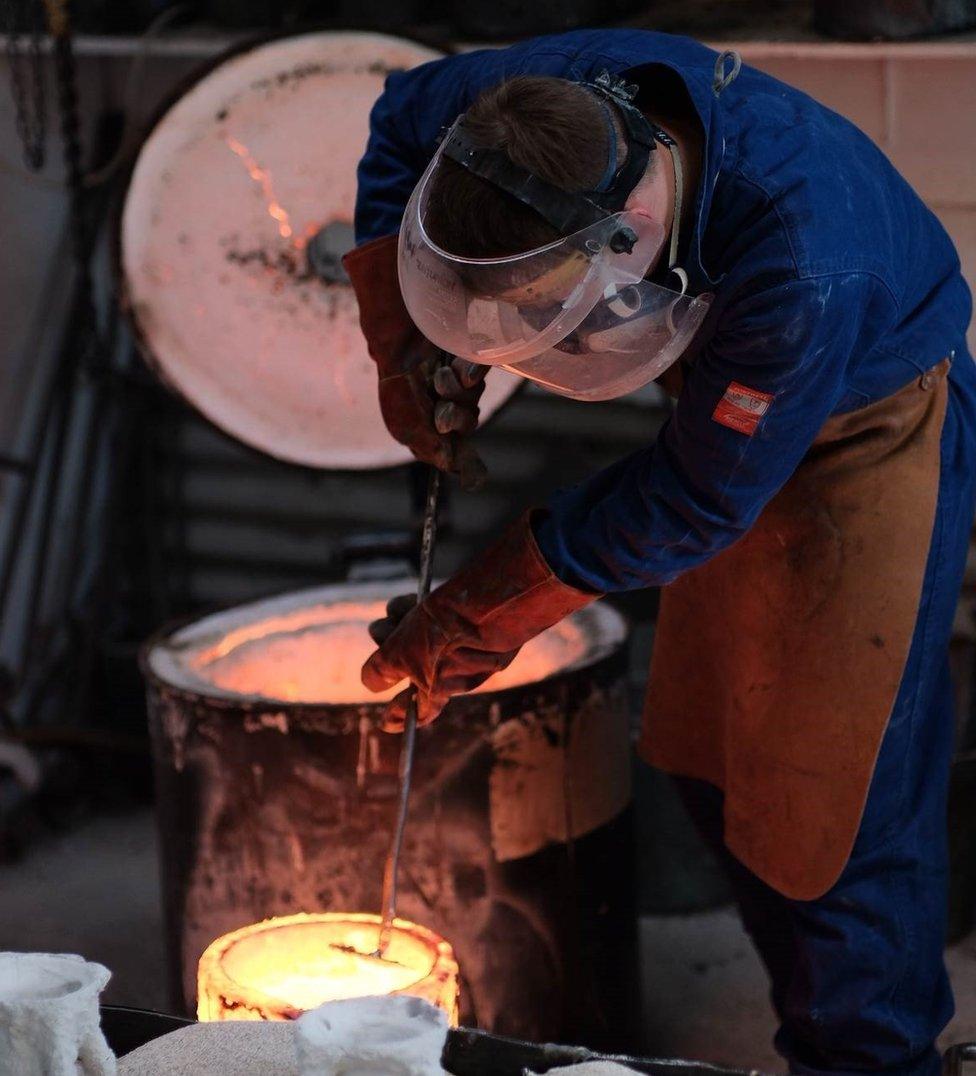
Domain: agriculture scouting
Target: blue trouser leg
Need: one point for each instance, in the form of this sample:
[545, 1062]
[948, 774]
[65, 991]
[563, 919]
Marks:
[858, 978]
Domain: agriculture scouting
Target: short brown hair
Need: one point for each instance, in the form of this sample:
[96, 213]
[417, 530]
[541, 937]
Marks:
[550, 126]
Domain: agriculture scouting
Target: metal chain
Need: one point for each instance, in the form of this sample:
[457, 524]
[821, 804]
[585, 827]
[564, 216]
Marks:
[59, 22]
[27, 85]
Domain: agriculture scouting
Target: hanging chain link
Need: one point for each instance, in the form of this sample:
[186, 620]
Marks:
[27, 86]
[59, 24]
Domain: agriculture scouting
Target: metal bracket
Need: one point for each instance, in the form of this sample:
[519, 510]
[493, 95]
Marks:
[955, 1056]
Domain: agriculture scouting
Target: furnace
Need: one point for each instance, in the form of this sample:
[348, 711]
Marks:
[276, 789]
[277, 795]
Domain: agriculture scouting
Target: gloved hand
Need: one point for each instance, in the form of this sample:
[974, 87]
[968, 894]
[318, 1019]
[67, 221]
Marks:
[426, 406]
[469, 627]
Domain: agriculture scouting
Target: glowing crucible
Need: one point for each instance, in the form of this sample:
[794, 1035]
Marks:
[280, 968]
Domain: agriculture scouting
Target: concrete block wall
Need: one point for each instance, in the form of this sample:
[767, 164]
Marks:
[916, 101]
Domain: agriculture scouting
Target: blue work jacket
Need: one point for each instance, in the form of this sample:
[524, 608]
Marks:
[834, 286]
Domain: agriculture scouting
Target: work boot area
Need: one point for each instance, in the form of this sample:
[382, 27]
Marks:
[363, 713]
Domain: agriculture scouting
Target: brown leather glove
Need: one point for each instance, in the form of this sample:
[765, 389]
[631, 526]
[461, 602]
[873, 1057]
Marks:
[425, 405]
[469, 627]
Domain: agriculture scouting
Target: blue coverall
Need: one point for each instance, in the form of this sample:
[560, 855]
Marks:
[834, 287]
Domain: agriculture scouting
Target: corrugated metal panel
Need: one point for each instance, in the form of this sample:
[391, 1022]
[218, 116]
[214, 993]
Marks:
[239, 525]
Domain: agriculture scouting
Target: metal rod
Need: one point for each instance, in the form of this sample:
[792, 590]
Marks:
[952, 1064]
[427, 543]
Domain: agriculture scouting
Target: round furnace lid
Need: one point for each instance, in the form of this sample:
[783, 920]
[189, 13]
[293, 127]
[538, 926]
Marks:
[230, 187]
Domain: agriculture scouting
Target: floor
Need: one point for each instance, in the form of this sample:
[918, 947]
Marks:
[95, 891]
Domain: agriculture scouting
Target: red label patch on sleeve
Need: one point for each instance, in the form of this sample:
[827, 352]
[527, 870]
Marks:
[741, 408]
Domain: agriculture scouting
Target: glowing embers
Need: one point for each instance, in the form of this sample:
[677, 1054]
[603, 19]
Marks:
[262, 177]
[278, 969]
[314, 655]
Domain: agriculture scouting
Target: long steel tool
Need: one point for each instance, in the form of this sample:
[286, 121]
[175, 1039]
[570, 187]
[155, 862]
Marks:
[427, 543]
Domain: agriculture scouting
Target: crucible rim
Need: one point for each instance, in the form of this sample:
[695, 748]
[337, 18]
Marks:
[609, 634]
[221, 983]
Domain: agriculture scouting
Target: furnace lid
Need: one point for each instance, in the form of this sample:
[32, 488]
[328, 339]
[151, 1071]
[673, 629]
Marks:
[228, 193]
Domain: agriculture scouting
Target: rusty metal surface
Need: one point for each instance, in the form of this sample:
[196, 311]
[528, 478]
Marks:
[552, 782]
[269, 809]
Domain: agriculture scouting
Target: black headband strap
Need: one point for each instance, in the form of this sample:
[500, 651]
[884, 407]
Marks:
[642, 137]
[568, 212]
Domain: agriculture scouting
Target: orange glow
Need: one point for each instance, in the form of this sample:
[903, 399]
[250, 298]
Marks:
[263, 179]
[300, 242]
[278, 969]
[315, 654]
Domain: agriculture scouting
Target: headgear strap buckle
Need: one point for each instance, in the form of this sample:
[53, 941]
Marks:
[617, 88]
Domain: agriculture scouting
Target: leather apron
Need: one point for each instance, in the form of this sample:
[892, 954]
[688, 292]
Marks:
[776, 663]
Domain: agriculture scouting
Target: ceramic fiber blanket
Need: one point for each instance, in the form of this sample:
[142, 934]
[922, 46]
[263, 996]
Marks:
[377, 1036]
[49, 1019]
[229, 1048]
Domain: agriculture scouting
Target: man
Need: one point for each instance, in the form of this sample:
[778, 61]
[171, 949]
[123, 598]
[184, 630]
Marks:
[600, 205]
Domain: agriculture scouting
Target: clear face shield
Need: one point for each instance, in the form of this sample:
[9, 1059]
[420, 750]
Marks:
[575, 316]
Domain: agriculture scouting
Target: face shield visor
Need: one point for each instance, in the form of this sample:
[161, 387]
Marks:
[576, 316]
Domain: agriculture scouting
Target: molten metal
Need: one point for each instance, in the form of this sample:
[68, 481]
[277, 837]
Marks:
[314, 655]
[278, 969]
